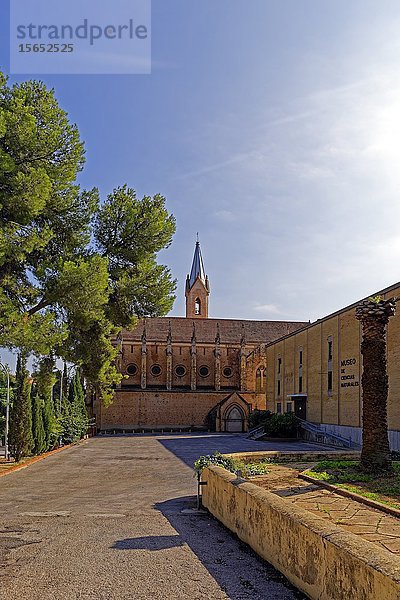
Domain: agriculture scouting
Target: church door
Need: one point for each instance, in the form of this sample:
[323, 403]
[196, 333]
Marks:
[234, 420]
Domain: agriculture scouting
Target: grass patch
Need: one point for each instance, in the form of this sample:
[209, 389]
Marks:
[10, 464]
[347, 475]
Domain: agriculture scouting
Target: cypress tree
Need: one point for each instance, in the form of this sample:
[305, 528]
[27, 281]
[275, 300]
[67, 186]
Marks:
[56, 394]
[80, 406]
[65, 380]
[65, 422]
[51, 424]
[39, 436]
[77, 407]
[68, 433]
[20, 436]
[46, 379]
[74, 410]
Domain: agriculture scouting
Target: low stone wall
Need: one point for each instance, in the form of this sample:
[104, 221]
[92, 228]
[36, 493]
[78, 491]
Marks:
[319, 558]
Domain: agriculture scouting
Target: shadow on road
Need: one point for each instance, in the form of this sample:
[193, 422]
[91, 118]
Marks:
[188, 448]
[151, 542]
[239, 571]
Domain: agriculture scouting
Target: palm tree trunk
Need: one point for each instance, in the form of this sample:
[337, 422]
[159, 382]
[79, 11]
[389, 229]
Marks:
[374, 315]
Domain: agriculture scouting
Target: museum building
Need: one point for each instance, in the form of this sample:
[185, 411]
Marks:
[191, 372]
[316, 373]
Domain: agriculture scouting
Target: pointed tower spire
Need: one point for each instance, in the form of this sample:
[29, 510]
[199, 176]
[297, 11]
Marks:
[197, 266]
[197, 287]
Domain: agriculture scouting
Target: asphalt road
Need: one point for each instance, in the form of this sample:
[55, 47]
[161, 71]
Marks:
[103, 520]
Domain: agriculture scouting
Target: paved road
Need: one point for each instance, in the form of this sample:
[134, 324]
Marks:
[104, 521]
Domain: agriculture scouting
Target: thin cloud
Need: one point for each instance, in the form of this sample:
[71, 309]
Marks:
[214, 167]
[225, 215]
[267, 308]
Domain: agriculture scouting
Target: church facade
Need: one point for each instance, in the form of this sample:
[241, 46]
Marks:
[191, 372]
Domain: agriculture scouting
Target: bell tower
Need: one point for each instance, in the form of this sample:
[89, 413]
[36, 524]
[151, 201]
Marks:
[197, 287]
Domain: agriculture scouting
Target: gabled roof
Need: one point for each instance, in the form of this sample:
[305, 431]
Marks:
[231, 330]
[197, 266]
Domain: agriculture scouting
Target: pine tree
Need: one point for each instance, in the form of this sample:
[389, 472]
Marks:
[20, 437]
[71, 271]
[38, 431]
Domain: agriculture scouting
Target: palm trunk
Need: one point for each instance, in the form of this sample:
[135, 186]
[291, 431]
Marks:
[374, 315]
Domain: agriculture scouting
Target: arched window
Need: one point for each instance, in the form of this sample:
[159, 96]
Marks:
[265, 380]
[258, 381]
[197, 306]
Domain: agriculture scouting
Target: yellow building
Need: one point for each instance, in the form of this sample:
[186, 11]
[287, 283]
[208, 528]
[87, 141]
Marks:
[316, 373]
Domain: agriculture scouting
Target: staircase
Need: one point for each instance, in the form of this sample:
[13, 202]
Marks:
[310, 432]
[256, 433]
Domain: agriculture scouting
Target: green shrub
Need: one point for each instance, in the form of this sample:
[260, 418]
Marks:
[259, 417]
[285, 425]
[260, 468]
[230, 464]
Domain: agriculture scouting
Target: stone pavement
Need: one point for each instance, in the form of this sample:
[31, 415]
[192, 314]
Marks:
[352, 516]
[110, 519]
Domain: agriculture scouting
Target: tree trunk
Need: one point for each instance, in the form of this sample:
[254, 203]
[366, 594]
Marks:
[374, 315]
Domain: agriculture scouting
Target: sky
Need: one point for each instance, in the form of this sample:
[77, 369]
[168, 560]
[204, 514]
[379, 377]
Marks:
[272, 127]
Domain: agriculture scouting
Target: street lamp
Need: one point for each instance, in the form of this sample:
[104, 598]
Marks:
[6, 370]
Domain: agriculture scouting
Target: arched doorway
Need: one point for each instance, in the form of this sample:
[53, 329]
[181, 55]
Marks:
[234, 420]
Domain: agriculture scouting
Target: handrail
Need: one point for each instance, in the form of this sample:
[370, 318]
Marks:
[312, 428]
[256, 429]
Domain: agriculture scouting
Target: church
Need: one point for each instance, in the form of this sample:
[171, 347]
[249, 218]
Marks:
[192, 372]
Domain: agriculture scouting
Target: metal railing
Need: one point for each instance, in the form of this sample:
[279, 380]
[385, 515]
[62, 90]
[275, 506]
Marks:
[311, 432]
[256, 432]
[321, 436]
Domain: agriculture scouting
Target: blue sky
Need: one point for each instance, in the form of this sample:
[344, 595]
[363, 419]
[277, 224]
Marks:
[273, 129]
